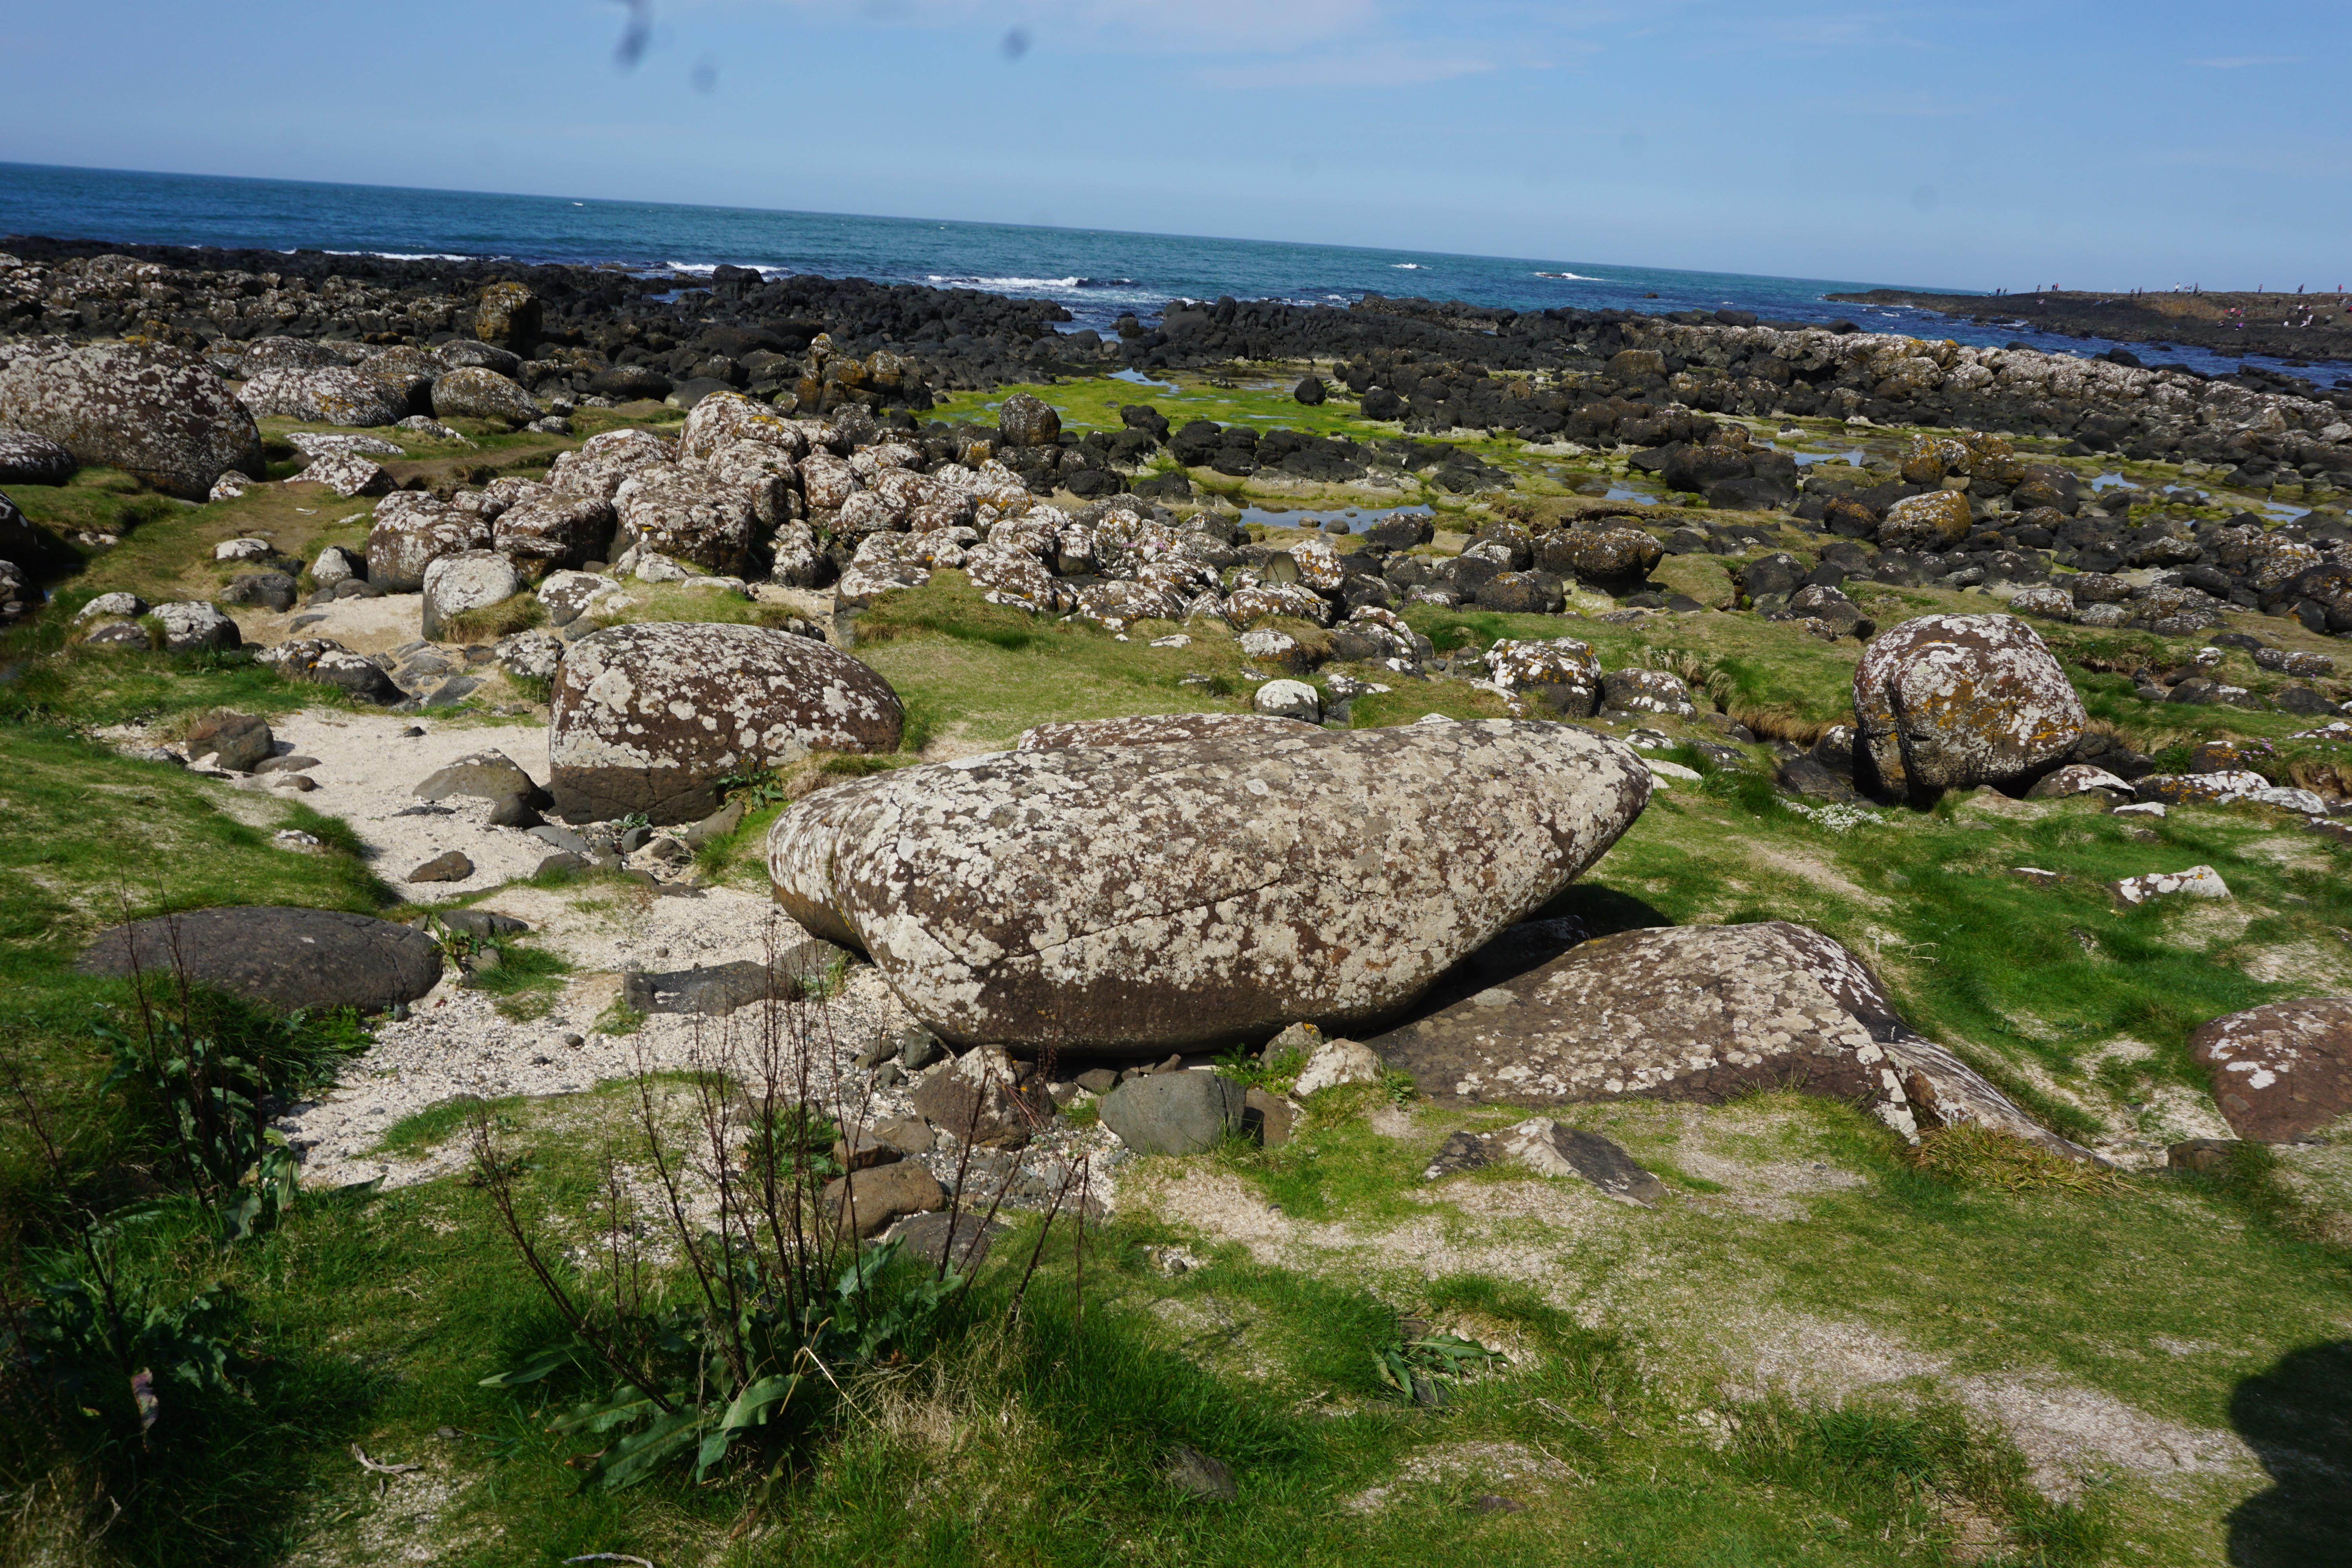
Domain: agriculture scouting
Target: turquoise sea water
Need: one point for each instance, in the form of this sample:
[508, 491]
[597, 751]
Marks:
[1096, 274]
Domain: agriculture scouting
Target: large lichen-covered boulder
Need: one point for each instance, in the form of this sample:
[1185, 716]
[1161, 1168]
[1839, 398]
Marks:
[477, 393]
[648, 718]
[157, 413]
[275, 953]
[413, 531]
[601, 462]
[723, 418]
[1160, 730]
[554, 531]
[1954, 702]
[2281, 1071]
[1618, 553]
[686, 514]
[1697, 1013]
[1118, 898]
[335, 395]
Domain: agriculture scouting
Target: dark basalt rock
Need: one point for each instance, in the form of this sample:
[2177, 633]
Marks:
[286, 957]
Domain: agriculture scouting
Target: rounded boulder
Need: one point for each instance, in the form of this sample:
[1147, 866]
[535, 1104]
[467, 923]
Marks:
[477, 393]
[1954, 702]
[159, 414]
[1122, 898]
[1935, 521]
[1028, 421]
[648, 718]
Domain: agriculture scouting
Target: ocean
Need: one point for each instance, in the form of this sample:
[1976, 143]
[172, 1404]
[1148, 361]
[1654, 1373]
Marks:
[1096, 274]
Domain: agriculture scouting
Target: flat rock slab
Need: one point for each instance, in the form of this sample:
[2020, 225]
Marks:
[2281, 1071]
[719, 989]
[1130, 898]
[285, 956]
[1158, 730]
[963, 1240]
[1697, 1013]
[1550, 1148]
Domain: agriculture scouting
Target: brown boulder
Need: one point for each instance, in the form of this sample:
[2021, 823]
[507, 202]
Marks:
[872, 1200]
[650, 717]
[2281, 1071]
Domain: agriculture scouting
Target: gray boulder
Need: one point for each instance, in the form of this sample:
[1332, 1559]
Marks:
[650, 717]
[157, 413]
[689, 515]
[717, 990]
[476, 393]
[463, 355]
[1173, 1113]
[270, 590]
[1703, 1014]
[282, 956]
[554, 531]
[412, 531]
[563, 594]
[336, 565]
[483, 775]
[335, 395]
[1118, 897]
[194, 626]
[1955, 701]
[470, 579]
[329, 663]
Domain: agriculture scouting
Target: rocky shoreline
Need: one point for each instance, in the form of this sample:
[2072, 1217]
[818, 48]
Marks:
[2302, 328]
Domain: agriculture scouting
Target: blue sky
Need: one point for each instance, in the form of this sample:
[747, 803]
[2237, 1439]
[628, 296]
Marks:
[1983, 145]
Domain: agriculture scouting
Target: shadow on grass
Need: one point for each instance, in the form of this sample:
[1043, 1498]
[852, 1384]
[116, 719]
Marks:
[2297, 1418]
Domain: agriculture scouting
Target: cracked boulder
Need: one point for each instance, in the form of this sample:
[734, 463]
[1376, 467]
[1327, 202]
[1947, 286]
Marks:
[648, 718]
[2281, 1071]
[1703, 1014]
[1955, 701]
[1116, 898]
